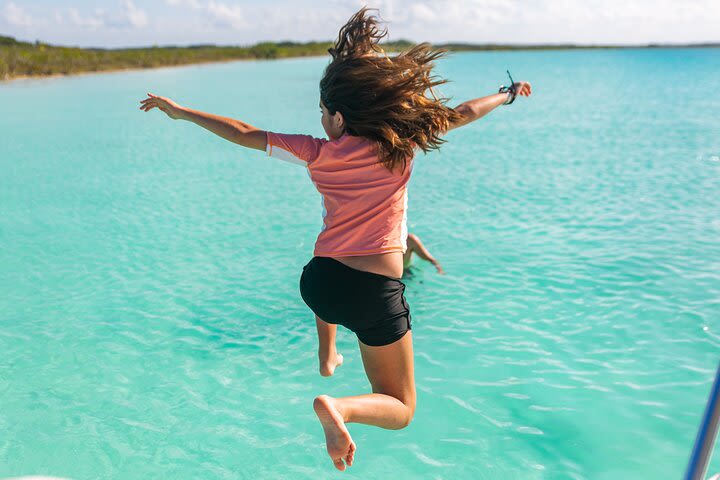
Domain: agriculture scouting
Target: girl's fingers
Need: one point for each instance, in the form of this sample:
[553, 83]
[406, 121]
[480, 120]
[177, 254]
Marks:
[153, 103]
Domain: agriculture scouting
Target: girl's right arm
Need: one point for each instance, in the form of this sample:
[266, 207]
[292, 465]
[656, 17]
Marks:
[475, 109]
[228, 128]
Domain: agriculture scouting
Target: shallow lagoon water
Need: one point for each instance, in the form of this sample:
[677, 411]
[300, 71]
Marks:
[150, 319]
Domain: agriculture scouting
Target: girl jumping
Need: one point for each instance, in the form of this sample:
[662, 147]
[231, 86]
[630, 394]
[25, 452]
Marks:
[376, 114]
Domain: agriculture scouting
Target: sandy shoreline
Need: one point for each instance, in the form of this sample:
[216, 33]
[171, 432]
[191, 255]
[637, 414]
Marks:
[131, 69]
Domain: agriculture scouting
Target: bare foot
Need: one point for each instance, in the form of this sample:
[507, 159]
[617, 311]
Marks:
[337, 438]
[327, 367]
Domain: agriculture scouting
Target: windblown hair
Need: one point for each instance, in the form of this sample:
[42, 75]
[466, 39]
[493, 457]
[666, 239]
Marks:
[383, 98]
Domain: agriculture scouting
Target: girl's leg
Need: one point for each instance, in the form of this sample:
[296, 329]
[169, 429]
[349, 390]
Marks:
[390, 369]
[327, 352]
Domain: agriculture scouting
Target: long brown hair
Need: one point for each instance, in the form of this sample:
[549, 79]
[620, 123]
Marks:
[384, 98]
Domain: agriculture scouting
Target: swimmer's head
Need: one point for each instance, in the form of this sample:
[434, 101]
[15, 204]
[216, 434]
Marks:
[366, 93]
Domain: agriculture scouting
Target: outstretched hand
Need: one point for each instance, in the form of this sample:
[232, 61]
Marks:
[169, 107]
[523, 88]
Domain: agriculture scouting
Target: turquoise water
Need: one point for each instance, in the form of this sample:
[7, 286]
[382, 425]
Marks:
[150, 319]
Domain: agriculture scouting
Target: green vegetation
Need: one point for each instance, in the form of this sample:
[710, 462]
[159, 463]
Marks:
[35, 59]
[22, 58]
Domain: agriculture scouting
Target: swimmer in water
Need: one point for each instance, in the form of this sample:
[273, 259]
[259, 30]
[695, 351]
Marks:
[415, 245]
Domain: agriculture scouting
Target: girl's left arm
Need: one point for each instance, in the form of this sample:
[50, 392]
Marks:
[228, 128]
[475, 109]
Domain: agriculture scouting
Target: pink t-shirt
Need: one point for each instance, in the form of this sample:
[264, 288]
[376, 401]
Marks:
[364, 203]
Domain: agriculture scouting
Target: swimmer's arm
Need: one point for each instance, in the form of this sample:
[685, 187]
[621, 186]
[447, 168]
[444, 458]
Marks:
[475, 109]
[415, 245]
[228, 128]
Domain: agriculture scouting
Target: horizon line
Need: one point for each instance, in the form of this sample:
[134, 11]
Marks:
[459, 44]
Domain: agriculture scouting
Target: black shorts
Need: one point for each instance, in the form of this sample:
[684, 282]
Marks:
[371, 305]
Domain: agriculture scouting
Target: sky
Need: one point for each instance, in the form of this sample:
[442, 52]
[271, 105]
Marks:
[129, 23]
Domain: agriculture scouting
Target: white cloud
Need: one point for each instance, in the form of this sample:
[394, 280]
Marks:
[221, 14]
[134, 16]
[547, 21]
[129, 16]
[422, 12]
[89, 21]
[439, 21]
[194, 4]
[472, 21]
[16, 16]
[226, 15]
